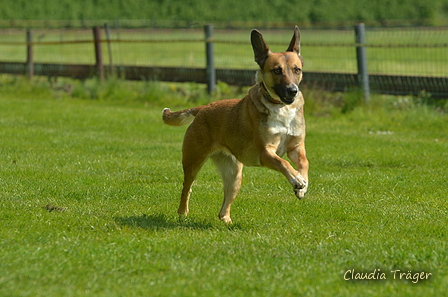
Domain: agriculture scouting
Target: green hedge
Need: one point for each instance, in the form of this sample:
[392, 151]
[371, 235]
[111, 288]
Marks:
[431, 12]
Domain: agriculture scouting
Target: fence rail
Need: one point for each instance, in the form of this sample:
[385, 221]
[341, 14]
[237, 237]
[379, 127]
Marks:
[436, 85]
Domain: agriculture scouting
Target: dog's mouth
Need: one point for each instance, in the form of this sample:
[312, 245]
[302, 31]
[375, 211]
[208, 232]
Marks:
[288, 100]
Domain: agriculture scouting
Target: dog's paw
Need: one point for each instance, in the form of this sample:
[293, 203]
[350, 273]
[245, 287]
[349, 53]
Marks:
[300, 187]
[299, 182]
[300, 193]
[226, 219]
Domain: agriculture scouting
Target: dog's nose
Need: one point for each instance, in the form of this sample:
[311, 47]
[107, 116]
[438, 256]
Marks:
[291, 91]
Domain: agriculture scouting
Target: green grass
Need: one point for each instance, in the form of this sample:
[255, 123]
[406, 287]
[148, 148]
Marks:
[323, 50]
[377, 200]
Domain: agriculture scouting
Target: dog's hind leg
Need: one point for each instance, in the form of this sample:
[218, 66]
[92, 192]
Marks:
[231, 172]
[192, 162]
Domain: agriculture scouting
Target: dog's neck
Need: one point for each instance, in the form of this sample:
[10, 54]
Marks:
[264, 90]
[266, 94]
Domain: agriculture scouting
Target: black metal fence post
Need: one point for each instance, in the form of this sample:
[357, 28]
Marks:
[361, 56]
[29, 54]
[211, 72]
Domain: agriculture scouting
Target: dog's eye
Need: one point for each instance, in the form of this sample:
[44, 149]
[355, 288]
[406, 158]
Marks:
[277, 71]
[297, 70]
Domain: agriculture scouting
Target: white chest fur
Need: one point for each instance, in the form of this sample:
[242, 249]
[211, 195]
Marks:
[284, 121]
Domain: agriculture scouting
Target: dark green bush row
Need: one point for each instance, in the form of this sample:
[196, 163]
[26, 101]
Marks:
[310, 11]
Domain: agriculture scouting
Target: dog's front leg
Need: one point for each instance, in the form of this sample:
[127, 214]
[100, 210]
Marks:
[298, 156]
[271, 160]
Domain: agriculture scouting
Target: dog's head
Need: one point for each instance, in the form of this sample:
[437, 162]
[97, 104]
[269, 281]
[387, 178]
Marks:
[280, 73]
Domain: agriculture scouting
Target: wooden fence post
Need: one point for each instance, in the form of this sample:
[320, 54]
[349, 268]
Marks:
[109, 49]
[98, 53]
[29, 54]
[361, 56]
[211, 72]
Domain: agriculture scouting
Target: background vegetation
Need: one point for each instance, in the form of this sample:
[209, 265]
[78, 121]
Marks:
[417, 11]
[90, 181]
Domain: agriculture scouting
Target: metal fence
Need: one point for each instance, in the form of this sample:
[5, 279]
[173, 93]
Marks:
[399, 60]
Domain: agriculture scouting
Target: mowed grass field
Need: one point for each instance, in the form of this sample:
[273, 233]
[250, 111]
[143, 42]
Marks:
[89, 191]
[416, 51]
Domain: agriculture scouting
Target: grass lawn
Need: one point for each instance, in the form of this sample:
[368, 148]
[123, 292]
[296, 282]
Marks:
[89, 191]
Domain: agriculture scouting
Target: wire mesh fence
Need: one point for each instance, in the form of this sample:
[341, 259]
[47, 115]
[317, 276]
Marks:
[418, 51]
[407, 52]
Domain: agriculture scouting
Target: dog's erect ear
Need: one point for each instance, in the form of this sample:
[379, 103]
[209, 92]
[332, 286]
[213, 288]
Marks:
[261, 49]
[294, 46]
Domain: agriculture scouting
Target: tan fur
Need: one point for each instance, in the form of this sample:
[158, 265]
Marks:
[254, 131]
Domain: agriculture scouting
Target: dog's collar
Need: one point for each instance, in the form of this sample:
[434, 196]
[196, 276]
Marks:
[266, 94]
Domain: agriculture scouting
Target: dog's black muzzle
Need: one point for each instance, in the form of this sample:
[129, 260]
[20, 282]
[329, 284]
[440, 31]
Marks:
[288, 93]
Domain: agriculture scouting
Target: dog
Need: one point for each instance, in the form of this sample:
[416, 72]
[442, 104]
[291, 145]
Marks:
[254, 131]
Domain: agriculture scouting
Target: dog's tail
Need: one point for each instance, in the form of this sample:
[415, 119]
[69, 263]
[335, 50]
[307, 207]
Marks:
[180, 118]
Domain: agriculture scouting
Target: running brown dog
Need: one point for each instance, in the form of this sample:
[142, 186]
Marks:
[253, 131]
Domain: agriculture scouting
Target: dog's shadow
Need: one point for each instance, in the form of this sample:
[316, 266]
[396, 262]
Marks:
[161, 222]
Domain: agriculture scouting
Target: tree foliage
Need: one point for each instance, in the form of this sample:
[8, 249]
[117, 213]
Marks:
[310, 11]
